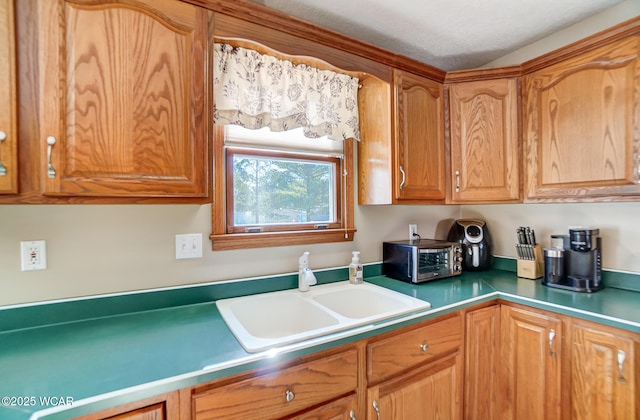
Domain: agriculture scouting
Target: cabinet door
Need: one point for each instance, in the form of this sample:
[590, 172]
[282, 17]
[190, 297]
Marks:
[8, 130]
[419, 151]
[484, 141]
[482, 362]
[342, 409]
[123, 96]
[581, 125]
[531, 364]
[428, 393]
[604, 370]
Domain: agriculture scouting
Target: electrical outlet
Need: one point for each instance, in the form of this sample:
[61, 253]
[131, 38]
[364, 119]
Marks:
[189, 246]
[33, 255]
[413, 231]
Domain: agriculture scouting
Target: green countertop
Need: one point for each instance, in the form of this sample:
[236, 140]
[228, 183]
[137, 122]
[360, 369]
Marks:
[71, 368]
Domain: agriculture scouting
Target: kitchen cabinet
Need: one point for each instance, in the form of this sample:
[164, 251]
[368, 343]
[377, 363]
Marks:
[161, 407]
[604, 372]
[419, 150]
[482, 364]
[581, 125]
[484, 136]
[8, 110]
[284, 392]
[123, 98]
[417, 372]
[531, 364]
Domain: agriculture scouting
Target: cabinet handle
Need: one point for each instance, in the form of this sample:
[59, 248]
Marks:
[51, 173]
[457, 181]
[352, 415]
[404, 177]
[424, 347]
[289, 395]
[3, 169]
[552, 336]
[621, 356]
[375, 407]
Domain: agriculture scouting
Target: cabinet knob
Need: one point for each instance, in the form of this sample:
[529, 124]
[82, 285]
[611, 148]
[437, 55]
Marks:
[621, 358]
[3, 169]
[404, 177]
[51, 172]
[424, 347]
[289, 395]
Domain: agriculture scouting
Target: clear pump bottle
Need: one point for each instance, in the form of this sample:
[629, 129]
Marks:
[355, 269]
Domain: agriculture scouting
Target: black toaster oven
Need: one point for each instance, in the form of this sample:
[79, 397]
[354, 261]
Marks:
[421, 260]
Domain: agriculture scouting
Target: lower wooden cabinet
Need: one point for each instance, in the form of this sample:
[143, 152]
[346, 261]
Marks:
[604, 373]
[159, 407]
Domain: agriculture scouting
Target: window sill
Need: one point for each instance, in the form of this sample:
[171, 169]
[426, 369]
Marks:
[271, 239]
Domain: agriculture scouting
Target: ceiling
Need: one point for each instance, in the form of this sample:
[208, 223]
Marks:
[448, 34]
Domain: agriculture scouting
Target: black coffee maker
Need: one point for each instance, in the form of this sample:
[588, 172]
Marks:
[474, 237]
[576, 264]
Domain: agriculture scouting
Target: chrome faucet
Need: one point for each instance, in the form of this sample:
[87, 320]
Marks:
[306, 277]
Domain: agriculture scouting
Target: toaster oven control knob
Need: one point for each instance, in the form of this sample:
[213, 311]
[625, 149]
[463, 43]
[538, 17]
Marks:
[457, 258]
[457, 268]
[457, 249]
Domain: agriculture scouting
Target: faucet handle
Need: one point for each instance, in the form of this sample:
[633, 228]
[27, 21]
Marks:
[309, 277]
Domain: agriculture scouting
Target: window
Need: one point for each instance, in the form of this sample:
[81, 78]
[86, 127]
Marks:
[281, 189]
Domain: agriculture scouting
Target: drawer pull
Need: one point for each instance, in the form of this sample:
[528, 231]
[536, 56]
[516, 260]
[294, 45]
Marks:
[289, 395]
[457, 181]
[51, 172]
[352, 415]
[3, 169]
[552, 336]
[404, 177]
[424, 347]
[621, 356]
[375, 407]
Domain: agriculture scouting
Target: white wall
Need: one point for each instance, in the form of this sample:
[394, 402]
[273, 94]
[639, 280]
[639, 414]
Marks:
[94, 249]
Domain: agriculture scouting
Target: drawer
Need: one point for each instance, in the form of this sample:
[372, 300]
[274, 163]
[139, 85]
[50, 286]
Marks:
[265, 396]
[413, 347]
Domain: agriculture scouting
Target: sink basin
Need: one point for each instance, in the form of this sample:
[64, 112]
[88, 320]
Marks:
[268, 320]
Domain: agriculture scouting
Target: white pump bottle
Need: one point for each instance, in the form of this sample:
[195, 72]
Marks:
[355, 269]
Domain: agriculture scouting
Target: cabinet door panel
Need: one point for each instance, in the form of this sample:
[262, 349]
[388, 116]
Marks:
[8, 126]
[601, 387]
[531, 371]
[432, 393]
[419, 127]
[123, 97]
[484, 141]
[582, 128]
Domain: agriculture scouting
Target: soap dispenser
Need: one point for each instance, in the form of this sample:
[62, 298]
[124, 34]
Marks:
[306, 277]
[355, 269]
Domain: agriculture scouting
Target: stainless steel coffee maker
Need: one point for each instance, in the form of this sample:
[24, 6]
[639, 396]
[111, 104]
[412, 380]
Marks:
[575, 262]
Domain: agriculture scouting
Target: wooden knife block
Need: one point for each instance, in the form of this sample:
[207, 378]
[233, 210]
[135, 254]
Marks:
[532, 269]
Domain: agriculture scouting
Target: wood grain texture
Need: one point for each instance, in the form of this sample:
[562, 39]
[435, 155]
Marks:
[419, 136]
[160, 407]
[397, 353]
[582, 125]
[484, 135]
[341, 409]
[8, 111]
[597, 391]
[482, 363]
[312, 383]
[531, 365]
[125, 98]
[432, 392]
[375, 146]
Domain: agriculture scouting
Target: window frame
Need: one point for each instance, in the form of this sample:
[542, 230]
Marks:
[230, 152]
[222, 239]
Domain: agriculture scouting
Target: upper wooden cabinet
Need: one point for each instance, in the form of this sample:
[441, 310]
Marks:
[581, 125]
[8, 128]
[419, 152]
[123, 97]
[484, 133]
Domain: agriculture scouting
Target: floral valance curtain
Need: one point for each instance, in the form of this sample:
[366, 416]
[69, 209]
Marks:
[255, 90]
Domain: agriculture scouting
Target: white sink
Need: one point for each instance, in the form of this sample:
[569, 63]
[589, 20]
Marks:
[274, 319]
